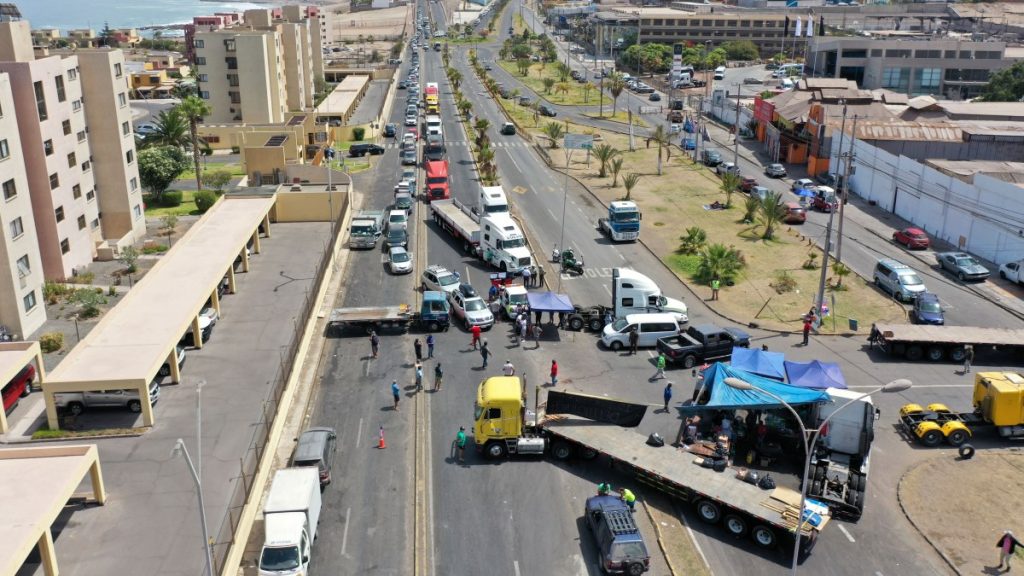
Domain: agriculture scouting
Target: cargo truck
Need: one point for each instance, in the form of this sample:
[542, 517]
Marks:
[575, 425]
[494, 237]
[433, 316]
[290, 518]
[936, 343]
[623, 221]
[437, 180]
[632, 293]
[367, 226]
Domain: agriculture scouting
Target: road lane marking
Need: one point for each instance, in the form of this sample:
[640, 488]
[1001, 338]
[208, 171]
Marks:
[359, 433]
[515, 566]
[581, 565]
[694, 540]
[344, 535]
[607, 289]
[552, 214]
[847, 534]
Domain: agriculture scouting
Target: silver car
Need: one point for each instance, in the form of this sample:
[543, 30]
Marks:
[472, 310]
[963, 266]
[775, 171]
[399, 260]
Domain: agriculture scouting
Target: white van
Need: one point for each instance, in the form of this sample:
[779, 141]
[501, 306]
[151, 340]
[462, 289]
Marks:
[650, 327]
[786, 84]
[720, 73]
[398, 220]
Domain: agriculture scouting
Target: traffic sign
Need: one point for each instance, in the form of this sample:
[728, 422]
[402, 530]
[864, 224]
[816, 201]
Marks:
[579, 141]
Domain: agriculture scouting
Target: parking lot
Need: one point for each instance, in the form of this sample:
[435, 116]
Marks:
[151, 516]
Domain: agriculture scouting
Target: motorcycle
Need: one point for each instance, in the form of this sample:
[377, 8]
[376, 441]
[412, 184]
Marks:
[570, 263]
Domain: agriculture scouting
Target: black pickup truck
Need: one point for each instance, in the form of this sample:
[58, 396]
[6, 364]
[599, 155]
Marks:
[702, 342]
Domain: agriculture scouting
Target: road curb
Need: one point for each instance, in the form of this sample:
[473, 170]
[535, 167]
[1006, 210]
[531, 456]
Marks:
[661, 541]
[906, 513]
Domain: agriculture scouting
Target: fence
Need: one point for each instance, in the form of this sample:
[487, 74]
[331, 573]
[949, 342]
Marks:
[224, 538]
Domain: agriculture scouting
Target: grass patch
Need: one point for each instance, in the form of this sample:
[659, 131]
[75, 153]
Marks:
[534, 80]
[186, 208]
[620, 116]
[234, 167]
[684, 265]
[474, 39]
[45, 433]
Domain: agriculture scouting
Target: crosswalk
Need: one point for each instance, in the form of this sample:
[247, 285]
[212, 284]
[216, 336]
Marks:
[463, 144]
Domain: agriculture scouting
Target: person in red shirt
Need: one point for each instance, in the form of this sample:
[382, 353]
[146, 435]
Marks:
[554, 373]
[476, 336]
[807, 329]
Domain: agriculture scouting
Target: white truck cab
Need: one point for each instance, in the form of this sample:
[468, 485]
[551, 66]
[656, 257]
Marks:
[290, 518]
[502, 243]
[634, 293]
[433, 123]
[493, 200]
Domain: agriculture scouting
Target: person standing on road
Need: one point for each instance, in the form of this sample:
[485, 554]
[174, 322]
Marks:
[438, 376]
[715, 285]
[460, 444]
[475, 330]
[807, 329]
[523, 328]
[1007, 545]
[661, 367]
[667, 394]
[396, 392]
[554, 373]
[430, 345]
[508, 369]
[628, 497]
[419, 376]
[418, 346]
[374, 343]
[527, 278]
[968, 358]
[634, 339]
[484, 353]
[540, 277]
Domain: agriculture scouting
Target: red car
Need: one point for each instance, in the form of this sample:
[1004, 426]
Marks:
[19, 387]
[747, 183]
[913, 238]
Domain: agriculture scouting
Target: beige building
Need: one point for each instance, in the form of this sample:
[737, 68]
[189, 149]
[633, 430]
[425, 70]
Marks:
[21, 269]
[258, 71]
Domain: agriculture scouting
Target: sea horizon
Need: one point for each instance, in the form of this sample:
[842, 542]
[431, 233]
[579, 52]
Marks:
[70, 14]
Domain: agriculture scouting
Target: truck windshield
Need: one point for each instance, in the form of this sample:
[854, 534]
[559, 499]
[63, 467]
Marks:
[517, 299]
[517, 243]
[478, 411]
[437, 180]
[280, 559]
[362, 230]
[496, 208]
[626, 216]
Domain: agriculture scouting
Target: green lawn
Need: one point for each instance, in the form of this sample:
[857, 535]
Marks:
[187, 207]
[534, 79]
[233, 167]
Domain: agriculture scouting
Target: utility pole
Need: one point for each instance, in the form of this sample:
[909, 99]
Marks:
[699, 128]
[736, 130]
[820, 299]
[844, 195]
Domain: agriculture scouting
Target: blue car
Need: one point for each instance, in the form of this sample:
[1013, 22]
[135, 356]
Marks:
[689, 143]
[927, 310]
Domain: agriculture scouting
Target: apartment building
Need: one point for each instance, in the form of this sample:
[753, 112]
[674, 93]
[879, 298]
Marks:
[912, 63]
[21, 269]
[257, 71]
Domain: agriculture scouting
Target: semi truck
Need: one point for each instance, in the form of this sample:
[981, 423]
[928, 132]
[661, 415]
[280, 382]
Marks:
[437, 180]
[494, 237]
[998, 402]
[839, 463]
[290, 518]
[432, 316]
[367, 226]
[432, 98]
[936, 343]
[623, 221]
[575, 425]
[632, 293]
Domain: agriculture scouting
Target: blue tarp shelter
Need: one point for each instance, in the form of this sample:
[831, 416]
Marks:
[815, 374]
[724, 397]
[769, 364]
[549, 302]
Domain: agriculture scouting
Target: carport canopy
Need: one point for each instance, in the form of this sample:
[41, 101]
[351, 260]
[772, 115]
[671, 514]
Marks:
[35, 486]
[129, 344]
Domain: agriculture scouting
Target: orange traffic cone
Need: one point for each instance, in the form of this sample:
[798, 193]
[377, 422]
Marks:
[381, 444]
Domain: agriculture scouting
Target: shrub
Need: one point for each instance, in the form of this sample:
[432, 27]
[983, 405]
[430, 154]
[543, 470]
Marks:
[171, 198]
[812, 261]
[217, 179]
[82, 278]
[130, 258]
[52, 291]
[89, 300]
[694, 240]
[111, 291]
[157, 249]
[51, 342]
[358, 133]
[205, 200]
[784, 282]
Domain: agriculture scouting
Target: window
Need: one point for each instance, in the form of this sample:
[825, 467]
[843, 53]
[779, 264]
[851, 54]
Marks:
[76, 105]
[229, 45]
[90, 195]
[86, 166]
[126, 128]
[65, 246]
[928, 54]
[122, 100]
[29, 300]
[59, 213]
[61, 94]
[895, 78]
[48, 147]
[80, 135]
[95, 223]
[17, 227]
[204, 94]
[855, 53]
[117, 71]
[72, 160]
[133, 184]
[73, 74]
[10, 190]
[965, 54]
[204, 78]
[927, 78]
[66, 125]
[199, 44]
[76, 191]
[40, 100]
[5, 151]
[24, 268]
[81, 222]
[200, 60]
[949, 54]
[54, 181]
[137, 210]
[130, 156]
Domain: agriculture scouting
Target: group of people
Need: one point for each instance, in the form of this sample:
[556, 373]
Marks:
[627, 496]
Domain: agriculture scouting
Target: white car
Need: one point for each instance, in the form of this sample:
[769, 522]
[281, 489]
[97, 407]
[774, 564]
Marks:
[410, 120]
[441, 279]
[210, 314]
[802, 183]
[472, 310]
[399, 260]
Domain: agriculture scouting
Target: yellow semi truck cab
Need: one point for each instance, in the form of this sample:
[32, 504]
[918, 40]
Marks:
[998, 401]
[502, 423]
[999, 398]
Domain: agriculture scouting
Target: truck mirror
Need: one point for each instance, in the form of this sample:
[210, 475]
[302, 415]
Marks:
[878, 414]
[641, 215]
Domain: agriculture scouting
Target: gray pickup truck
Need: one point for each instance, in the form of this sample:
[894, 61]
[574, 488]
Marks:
[367, 226]
[702, 342]
[77, 402]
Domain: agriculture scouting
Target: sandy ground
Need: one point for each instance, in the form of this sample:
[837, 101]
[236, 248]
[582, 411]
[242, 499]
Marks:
[963, 506]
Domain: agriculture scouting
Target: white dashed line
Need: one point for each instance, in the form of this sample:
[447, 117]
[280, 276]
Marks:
[847, 534]
[359, 433]
[515, 566]
[344, 535]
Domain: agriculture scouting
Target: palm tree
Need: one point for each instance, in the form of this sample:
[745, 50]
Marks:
[562, 88]
[548, 83]
[730, 182]
[750, 206]
[630, 181]
[464, 107]
[587, 87]
[535, 106]
[694, 241]
[554, 131]
[841, 271]
[772, 212]
[481, 126]
[171, 130]
[486, 159]
[615, 87]
[193, 109]
[616, 166]
[661, 138]
[563, 71]
[604, 153]
[455, 77]
[719, 261]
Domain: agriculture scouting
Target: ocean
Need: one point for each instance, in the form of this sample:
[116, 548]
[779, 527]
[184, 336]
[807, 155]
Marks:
[68, 14]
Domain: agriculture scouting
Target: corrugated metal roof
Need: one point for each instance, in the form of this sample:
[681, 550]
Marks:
[908, 131]
[965, 170]
[992, 128]
[955, 107]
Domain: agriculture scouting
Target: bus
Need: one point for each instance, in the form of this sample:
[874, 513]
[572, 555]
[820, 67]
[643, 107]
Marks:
[432, 95]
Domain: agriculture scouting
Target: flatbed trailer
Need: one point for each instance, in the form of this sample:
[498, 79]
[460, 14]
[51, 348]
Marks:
[433, 316]
[457, 219]
[936, 343]
[717, 496]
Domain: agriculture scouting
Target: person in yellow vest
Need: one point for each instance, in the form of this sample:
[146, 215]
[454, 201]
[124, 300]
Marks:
[628, 497]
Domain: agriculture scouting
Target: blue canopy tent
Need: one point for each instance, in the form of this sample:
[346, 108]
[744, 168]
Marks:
[724, 397]
[760, 362]
[815, 374]
[549, 302]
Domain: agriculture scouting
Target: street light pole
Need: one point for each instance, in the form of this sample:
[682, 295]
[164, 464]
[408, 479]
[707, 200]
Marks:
[810, 439]
[844, 192]
[565, 195]
[820, 298]
[180, 449]
[736, 130]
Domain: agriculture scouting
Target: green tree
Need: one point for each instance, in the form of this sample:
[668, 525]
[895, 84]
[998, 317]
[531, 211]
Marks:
[89, 300]
[548, 83]
[523, 64]
[604, 153]
[616, 167]
[194, 109]
[773, 210]
[217, 179]
[520, 51]
[750, 207]
[1006, 85]
[662, 138]
[562, 88]
[563, 70]
[481, 126]
[730, 183]
[171, 130]
[715, 58]
[455, 77]
[719, 261]
[741, 50]
[554, 131]
[694, 240]
[616, 84]
[130, 258]
[841, 271]
[587, 87]
[630, 181]
[651, 57]
[159, 166]
[204, 200]
[169, 222]
[464, 107]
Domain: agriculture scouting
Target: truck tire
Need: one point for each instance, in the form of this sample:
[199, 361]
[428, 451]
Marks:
[587, 453]
[936, 353]
[736, 525]
[689, 361]
[596, 325]
[860, 482]
[914, 352]
[816, 488]
[709, 511]
[819, 473]
[576, 323]
[76, 408]
[616, 345]
[503, 267]
[635, 569]
[957, 354]
[495, 450]
[957, 438]
[135, 406]
[966, 451]
[932, 438]
[561, 450]
[764, 536]
[433, 326]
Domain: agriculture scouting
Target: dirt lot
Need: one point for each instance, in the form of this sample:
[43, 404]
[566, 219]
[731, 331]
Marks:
[963, 506]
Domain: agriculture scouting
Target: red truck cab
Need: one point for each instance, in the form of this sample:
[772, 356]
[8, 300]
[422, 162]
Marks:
[437, 180]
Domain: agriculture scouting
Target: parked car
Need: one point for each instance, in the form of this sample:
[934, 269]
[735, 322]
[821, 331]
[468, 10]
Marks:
[358, 150]
[759, 192]
[508, 129]
[726, 168]
[316, 447]
[505, 92]
[19, 387]
[795, 213]
[471, 309]
[747, 183]
[830, 179]
[775, 171]
[711, 157]
[689, 143]
[654, 97]
[397, 238]
[752, 80]
[1013, 271]
[440, 279]
[524, 101]
[399, 260]
[402, 84]
[912, 238]
[898, 279]
[824, 199]
[546, 110]
[804, 183]
[963, 266]
[927, 310]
